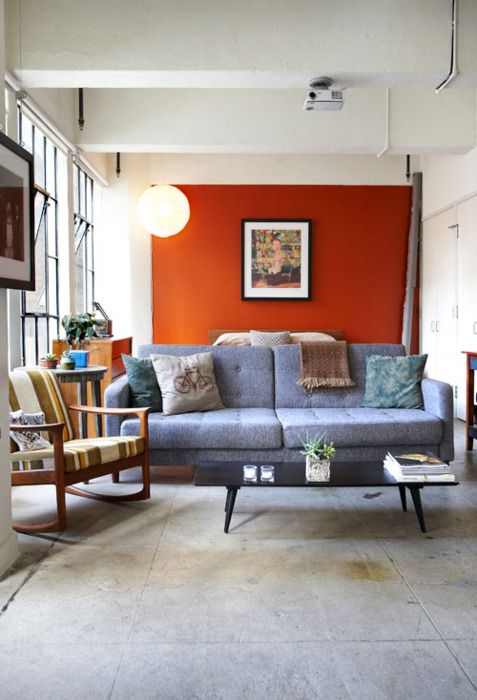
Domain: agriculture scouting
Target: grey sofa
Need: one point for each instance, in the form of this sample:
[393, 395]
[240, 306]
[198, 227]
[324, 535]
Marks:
[267, 414]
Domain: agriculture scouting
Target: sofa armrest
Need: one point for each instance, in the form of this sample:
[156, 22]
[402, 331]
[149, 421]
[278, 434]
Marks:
[116, 396]
[439, 400]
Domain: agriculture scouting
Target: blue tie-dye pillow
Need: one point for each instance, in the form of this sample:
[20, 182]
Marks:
[394, 382]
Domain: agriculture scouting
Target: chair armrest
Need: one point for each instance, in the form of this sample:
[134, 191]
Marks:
[439, 400]
[38, 427]
[141, 413]
[106, 410]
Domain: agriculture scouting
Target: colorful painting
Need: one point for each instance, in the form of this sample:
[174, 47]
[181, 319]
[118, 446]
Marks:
[275, 259]
[16, 216]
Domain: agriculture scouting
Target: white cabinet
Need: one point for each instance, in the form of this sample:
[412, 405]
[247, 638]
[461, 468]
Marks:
[466, 291]
[449, 294]
[439, 295]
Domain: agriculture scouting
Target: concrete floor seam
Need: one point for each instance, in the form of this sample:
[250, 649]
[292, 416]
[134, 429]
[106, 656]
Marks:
[431, 620]
[29, 575]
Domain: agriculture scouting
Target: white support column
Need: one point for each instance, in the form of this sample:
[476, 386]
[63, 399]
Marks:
[66, 242]
[8, 539]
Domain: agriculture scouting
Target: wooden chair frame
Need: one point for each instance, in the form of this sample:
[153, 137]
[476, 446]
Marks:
[63, 481]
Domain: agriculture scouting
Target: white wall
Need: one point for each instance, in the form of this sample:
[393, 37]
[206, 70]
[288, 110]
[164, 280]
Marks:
[268, 169]
[135, 41]
[447, 179]
[8, 539]
[123, 262]
[61, 108]
[273, 121]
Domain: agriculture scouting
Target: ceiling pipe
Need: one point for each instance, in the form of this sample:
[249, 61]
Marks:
[453, 72]
[386, 133]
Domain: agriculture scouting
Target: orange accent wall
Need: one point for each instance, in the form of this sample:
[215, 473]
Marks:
[359, 256]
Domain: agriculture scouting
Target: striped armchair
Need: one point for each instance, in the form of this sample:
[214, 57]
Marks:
[69, 461]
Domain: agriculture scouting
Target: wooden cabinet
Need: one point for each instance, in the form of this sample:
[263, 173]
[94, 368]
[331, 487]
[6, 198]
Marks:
[103, 351]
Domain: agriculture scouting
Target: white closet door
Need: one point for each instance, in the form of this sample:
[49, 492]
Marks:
[466, 291]
[438, 289]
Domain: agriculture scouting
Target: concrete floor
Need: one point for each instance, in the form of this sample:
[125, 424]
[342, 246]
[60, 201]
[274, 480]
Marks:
[315, 593]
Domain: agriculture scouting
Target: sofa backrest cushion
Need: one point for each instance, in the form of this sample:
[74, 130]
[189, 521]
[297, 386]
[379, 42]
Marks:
[244, 375]
[287, 372]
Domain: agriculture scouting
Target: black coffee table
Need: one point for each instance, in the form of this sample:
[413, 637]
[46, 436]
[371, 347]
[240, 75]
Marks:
[348, 474]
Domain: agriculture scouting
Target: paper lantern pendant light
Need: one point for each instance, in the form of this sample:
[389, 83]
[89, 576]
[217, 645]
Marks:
[163, 210]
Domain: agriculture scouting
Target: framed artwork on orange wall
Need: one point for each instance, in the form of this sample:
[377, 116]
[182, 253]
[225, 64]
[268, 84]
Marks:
[276, 256]
[17, 255]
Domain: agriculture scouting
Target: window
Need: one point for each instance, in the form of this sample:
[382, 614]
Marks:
[84, 239]
[40, 309]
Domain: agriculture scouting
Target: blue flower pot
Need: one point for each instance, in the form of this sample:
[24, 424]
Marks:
[81, 357]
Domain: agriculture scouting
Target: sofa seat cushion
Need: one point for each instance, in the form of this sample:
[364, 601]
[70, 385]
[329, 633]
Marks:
[238, 428]
[360, 426]
[80, 454]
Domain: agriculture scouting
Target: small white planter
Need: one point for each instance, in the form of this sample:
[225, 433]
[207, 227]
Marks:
[317, 469]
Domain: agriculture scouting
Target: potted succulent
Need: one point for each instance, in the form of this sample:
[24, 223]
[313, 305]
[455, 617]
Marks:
[79, 330]
[318, 454]
[49, 361]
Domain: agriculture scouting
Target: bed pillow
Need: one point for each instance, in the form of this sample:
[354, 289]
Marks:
[394, 382]
[143, 384]
[233, 339]
[187, 383]
[310, 337]
[28, 440]
[269, 339]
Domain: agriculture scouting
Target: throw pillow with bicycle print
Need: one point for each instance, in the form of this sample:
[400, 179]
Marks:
[187, 383]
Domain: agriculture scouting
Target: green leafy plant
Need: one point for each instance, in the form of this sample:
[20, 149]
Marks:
[80, 328]
[49, 356]
[316, 447]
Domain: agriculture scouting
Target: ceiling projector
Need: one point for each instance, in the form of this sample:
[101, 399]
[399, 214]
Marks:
[320, 96]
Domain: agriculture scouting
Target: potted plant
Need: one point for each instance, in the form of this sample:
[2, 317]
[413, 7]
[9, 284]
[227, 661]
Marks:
[49, 361]
[318, 454]
[79, 329]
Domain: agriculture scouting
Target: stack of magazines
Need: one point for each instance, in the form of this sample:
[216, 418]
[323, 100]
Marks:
[417, 467]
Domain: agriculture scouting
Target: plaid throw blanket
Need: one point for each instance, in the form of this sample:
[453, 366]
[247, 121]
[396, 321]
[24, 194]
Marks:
[324, 364]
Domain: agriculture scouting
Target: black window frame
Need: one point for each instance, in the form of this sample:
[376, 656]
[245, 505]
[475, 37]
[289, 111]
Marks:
[84, 237]
[48, 199]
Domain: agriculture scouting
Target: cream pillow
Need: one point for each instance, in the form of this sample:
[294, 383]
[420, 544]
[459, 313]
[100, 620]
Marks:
[187, 383]
[309, 337]
[233, 339]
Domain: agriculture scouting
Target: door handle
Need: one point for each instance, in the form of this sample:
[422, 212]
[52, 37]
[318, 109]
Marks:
[437, 326]
[474, 327]
[433, 324]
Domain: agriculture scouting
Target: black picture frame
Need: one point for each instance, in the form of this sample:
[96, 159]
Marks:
[276, 259]
[17, 233]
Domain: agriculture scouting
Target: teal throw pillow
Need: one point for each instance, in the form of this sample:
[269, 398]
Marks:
[394, 382]
[143, 384]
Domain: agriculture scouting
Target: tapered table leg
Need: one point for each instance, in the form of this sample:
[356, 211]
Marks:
[83, 399]
[402, 493]
[97, 402]
[229, 505]
[416, 499]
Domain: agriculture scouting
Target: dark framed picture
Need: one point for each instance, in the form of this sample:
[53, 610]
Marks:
[17, 246]
[276, 256]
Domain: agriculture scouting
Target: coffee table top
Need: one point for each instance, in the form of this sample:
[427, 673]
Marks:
[293, 474]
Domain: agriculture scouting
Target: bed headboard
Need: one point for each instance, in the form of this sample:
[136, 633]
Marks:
[214, 333]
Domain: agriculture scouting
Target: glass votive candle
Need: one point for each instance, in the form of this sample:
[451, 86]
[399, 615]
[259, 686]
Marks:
[267, 472]
[250, 472]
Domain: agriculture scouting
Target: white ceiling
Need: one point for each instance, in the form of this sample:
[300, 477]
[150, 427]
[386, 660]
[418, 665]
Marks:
[225, 76]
